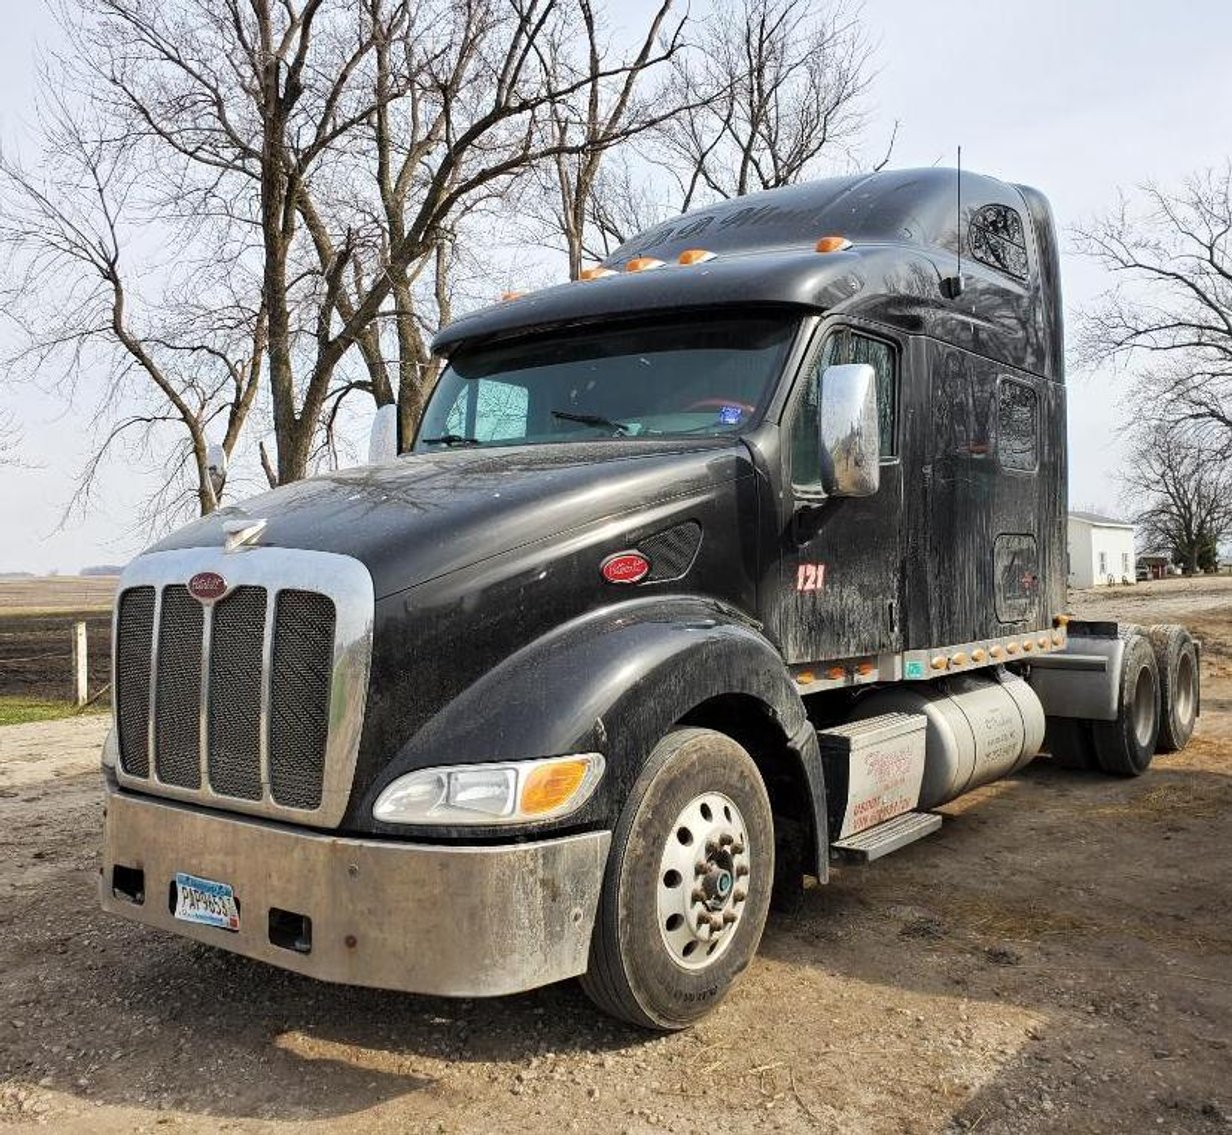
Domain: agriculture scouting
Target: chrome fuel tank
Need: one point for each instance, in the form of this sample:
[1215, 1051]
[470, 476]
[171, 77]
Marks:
[981, 727]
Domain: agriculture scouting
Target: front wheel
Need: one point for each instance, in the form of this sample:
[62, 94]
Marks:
[688, 884]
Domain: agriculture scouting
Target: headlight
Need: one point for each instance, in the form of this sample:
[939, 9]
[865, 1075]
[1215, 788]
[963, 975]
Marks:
[511, 793]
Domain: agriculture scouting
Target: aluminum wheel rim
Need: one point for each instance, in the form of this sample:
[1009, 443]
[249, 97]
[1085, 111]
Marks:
[703, 880]
[1144, 706]
[1184, 695]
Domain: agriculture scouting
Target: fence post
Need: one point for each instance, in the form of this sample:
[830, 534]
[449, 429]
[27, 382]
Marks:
[80, 673]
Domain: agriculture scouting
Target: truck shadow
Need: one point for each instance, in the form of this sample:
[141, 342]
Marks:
[1019, 918]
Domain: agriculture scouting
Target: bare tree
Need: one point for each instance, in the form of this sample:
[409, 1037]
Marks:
[601, 113]
[375, 127]
[184, 354]
[772, 89]
[1169, 313]
[1182, 493]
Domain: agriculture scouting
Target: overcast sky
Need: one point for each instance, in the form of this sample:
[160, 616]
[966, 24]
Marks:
[1076, 97]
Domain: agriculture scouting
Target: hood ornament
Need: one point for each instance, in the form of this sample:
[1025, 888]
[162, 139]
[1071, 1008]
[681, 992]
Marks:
[242, 533]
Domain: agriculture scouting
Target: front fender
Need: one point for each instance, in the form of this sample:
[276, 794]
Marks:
[613, 681]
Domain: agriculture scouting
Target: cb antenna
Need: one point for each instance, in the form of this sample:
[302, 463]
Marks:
[952, 286]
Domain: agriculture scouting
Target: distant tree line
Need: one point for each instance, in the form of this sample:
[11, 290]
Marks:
[244, 215]
[1167, 320]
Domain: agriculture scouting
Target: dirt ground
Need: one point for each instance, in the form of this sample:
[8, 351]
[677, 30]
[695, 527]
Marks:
[1057, 958]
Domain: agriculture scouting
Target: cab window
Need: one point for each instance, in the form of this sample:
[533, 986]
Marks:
[843, 346]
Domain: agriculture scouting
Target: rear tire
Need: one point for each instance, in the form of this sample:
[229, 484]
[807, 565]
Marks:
[1126, 745]
[697, 823]
[1176, 658]
[1069, 742]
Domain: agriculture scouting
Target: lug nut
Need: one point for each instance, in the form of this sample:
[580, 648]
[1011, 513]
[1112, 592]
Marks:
[740, 896]
[726, 839]
[729, 916]
[738, 848]
[742, 869]
[716, 922]
[698, 895]
[711, 847]
[700, 867]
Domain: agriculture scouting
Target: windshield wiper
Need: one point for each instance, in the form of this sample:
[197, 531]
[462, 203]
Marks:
[591, 420]
[450, 439]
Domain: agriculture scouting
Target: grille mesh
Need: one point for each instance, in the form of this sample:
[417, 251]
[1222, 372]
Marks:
[177, 695]
[134, 641]
[235, 693]
[672, 551]
[299, 696]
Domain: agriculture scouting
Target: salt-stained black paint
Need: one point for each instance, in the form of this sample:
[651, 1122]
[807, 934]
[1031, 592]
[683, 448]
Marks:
[496, 637]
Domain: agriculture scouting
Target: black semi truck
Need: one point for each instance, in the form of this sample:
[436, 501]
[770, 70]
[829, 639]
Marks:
[733, 559]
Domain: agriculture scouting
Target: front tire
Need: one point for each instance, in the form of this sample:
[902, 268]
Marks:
[688, 884]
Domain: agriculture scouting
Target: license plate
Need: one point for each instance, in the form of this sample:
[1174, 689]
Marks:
[206, 902]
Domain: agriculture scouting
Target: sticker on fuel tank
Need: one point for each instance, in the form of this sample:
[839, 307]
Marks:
[810, 577]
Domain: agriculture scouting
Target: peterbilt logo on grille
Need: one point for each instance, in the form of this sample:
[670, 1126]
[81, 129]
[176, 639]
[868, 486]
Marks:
[207, 586]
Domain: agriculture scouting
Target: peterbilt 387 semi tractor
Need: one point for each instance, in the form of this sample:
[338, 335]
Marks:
[732, 560]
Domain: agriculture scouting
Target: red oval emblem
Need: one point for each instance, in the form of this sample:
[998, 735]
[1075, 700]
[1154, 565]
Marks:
[625, 567]
[206, 586]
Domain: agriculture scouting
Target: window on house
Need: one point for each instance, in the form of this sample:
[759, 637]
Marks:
[1125, 563]
[996, 238]
[844, 346]
[1103, 563]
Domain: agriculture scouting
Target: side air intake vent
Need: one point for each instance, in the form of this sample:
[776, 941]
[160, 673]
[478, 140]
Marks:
[671, 552]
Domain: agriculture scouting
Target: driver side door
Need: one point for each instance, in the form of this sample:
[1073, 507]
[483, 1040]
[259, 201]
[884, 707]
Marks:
[841, 559]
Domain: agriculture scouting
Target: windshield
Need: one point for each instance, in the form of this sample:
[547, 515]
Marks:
[701, 378]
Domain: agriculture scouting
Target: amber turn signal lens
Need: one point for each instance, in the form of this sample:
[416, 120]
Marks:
[507, 296]
[549, 786]
[596, 273]
[833, 244]
[643, 264]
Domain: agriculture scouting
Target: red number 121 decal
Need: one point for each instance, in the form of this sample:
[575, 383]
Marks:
[810, 577]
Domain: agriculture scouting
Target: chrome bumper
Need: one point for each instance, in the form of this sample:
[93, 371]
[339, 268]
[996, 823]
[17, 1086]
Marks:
[455, 921]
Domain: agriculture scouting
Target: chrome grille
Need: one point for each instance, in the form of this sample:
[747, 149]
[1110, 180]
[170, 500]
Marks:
[236, 640]
[256, 702]
[299, 700]
[135, 618]
[177, 725]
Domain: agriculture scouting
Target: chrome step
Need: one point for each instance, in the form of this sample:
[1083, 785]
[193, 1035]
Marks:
[873, 843]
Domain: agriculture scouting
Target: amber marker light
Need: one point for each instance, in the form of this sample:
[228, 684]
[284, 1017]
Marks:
[1011, 648]
[1058, 640]
[938, 663]
[507, 296]
[643, 264]
[694, 256]
[805, 677]
[833, 244]
[959, 659]
[836, 673]
[596, 273]
[978, 655]
[865, 668]
[995, 652]
[1042, 642]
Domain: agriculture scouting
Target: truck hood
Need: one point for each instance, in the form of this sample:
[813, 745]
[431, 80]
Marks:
[426, 515]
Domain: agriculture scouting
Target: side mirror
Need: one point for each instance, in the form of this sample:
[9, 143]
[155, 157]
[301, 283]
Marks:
[850, 431]
[383, 440]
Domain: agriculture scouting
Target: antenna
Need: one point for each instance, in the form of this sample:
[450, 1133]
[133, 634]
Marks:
[958, 227]
[952, 286]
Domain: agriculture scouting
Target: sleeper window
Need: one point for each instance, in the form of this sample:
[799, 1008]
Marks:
[996, 238]
[1017, 425]
[843, 346]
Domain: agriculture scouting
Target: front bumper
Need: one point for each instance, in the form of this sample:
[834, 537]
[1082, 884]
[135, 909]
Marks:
[455, 921]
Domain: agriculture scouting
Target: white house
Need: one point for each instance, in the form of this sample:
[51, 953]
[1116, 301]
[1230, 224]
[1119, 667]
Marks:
[1101, 550]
